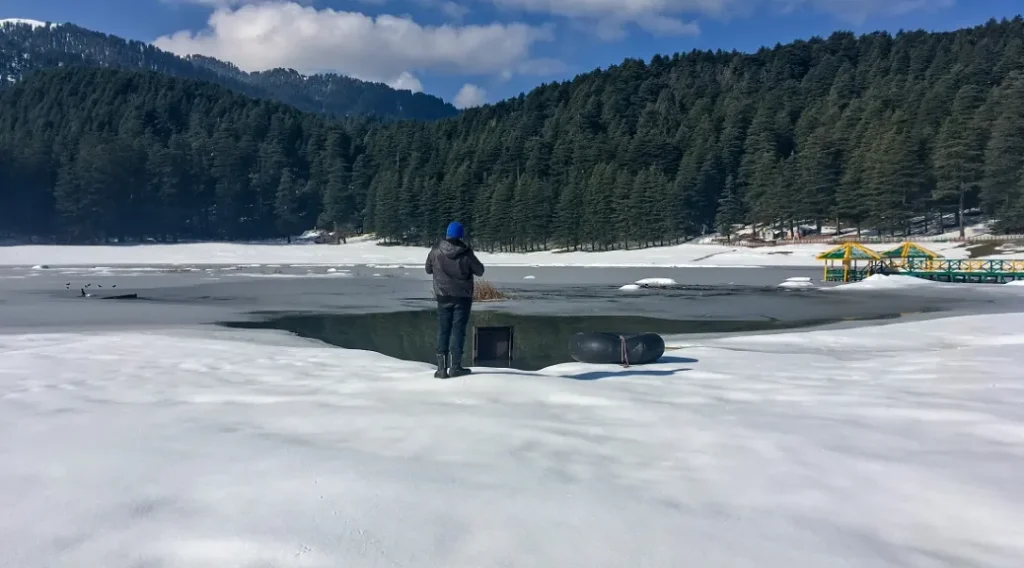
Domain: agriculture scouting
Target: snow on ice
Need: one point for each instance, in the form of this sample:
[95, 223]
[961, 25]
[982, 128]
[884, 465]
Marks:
[898, 445]
[894, 282]
[801, 282]
[656, 282]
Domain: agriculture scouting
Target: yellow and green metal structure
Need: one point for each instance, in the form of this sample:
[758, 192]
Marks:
[854, 261]
[857, 262]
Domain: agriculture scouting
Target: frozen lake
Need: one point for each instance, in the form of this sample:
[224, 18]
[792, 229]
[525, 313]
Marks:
[51, 298]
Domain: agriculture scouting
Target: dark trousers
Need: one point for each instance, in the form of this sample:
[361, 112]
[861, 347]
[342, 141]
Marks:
[452, 318]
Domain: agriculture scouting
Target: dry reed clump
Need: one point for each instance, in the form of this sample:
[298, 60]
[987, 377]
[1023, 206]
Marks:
[484, 291]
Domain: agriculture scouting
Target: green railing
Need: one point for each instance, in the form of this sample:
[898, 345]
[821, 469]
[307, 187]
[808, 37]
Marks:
[855, 274]
[990, 266]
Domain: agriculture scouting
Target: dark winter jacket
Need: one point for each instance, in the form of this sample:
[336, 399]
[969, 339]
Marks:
[453, 265]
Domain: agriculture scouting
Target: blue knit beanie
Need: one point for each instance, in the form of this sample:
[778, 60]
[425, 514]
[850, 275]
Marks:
[455, 230]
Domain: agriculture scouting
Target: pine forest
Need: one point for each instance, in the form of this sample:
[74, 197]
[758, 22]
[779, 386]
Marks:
[867, 132]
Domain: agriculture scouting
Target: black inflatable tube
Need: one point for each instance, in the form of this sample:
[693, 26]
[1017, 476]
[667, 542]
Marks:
[601, 348]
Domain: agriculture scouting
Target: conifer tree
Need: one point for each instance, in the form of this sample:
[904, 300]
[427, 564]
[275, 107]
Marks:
[285, 205]
[959, 156]
[730, 209]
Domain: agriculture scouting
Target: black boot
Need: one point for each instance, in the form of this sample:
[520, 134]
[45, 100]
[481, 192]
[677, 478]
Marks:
[455, 368]
[442, 368]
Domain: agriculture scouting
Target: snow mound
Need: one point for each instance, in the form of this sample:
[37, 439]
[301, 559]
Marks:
[1015, 283]
[656, 282]
[888, 282]
[531, 277]
[797, 285]
[630, 287]
[795, 282]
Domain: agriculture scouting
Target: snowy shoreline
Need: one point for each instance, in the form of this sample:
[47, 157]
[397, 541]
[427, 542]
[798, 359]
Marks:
[886, 446]
[364, 251]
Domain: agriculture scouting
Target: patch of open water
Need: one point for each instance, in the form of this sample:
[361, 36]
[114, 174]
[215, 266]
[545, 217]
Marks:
[539, 341]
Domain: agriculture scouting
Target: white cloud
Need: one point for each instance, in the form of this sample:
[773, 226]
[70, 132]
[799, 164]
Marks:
[538, 67]
[860, 10]
[451, 10]
[288, 34]
[606, 18]
[204, 2]
[667, 25]
[454, 10]
[226, 3]
[625, 8]
[470, 96]
[406, 82]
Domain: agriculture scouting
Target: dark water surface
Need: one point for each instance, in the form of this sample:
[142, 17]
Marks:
[539, 340]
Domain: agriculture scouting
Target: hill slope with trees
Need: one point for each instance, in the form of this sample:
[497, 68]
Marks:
[870, 131]
[26, 48]
[94, 154]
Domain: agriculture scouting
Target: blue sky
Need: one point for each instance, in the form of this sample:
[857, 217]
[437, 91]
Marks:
[473, 51]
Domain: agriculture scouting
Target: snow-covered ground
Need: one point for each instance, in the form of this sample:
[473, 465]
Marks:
[364, 251]
[921, 228]
[900, 445]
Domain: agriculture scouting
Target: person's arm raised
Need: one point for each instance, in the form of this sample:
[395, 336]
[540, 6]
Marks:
[475, 265]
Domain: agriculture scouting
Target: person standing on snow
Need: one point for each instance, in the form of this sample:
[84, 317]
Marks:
[453, 265]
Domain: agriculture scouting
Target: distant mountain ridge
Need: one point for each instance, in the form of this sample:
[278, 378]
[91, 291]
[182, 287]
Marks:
[30, 45]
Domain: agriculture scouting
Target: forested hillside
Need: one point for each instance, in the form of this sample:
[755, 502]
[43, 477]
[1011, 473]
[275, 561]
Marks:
[869, 131]
[25, 48]
[98, 153]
